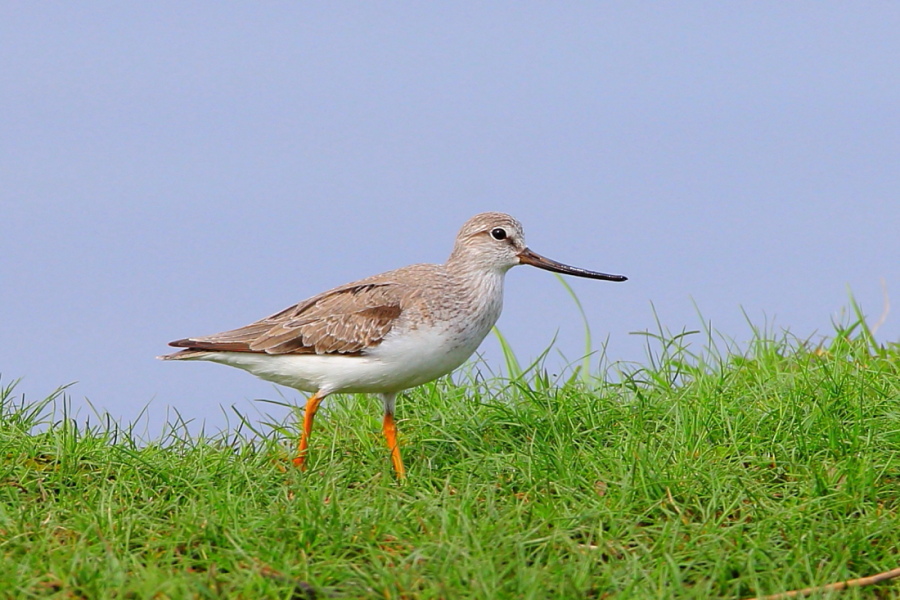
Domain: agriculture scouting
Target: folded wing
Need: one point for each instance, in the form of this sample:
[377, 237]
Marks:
[345, 320]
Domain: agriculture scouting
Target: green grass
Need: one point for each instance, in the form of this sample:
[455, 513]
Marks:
[700, 474]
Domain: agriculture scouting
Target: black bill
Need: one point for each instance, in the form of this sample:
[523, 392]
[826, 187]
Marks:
[527, 257]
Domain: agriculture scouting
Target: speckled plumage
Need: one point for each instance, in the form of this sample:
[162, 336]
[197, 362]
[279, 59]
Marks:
[385, 333]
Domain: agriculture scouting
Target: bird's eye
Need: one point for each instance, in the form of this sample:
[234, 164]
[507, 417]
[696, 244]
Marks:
[498, 233]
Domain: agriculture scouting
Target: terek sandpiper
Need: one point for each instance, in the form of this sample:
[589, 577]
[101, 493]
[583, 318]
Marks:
[386, 333]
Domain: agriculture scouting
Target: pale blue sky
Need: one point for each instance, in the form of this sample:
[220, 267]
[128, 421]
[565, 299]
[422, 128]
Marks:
[178, 169]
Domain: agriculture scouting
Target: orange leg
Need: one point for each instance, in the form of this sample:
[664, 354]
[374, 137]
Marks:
[312, 405]
[390, 434]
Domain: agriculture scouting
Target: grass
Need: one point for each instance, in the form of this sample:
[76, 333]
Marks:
[701, 474]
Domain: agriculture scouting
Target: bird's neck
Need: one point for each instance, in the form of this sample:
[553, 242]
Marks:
[479, 286]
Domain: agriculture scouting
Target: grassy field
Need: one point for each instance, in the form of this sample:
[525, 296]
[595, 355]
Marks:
[703, 473]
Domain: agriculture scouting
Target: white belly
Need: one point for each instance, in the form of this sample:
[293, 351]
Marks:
[401, 361]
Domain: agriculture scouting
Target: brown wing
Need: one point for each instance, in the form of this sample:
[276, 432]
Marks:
[345, 320]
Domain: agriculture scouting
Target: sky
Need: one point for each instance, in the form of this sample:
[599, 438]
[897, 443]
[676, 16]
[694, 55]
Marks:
[177, 169]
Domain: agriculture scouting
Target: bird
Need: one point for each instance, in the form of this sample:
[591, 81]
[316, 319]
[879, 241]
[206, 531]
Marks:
[385, 333]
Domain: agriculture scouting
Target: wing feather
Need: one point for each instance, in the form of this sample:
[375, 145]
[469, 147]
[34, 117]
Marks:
[345, 320]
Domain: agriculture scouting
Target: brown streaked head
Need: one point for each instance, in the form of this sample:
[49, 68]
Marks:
[496, 242]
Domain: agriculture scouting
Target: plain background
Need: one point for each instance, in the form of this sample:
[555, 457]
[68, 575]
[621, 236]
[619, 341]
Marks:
[178, 169]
